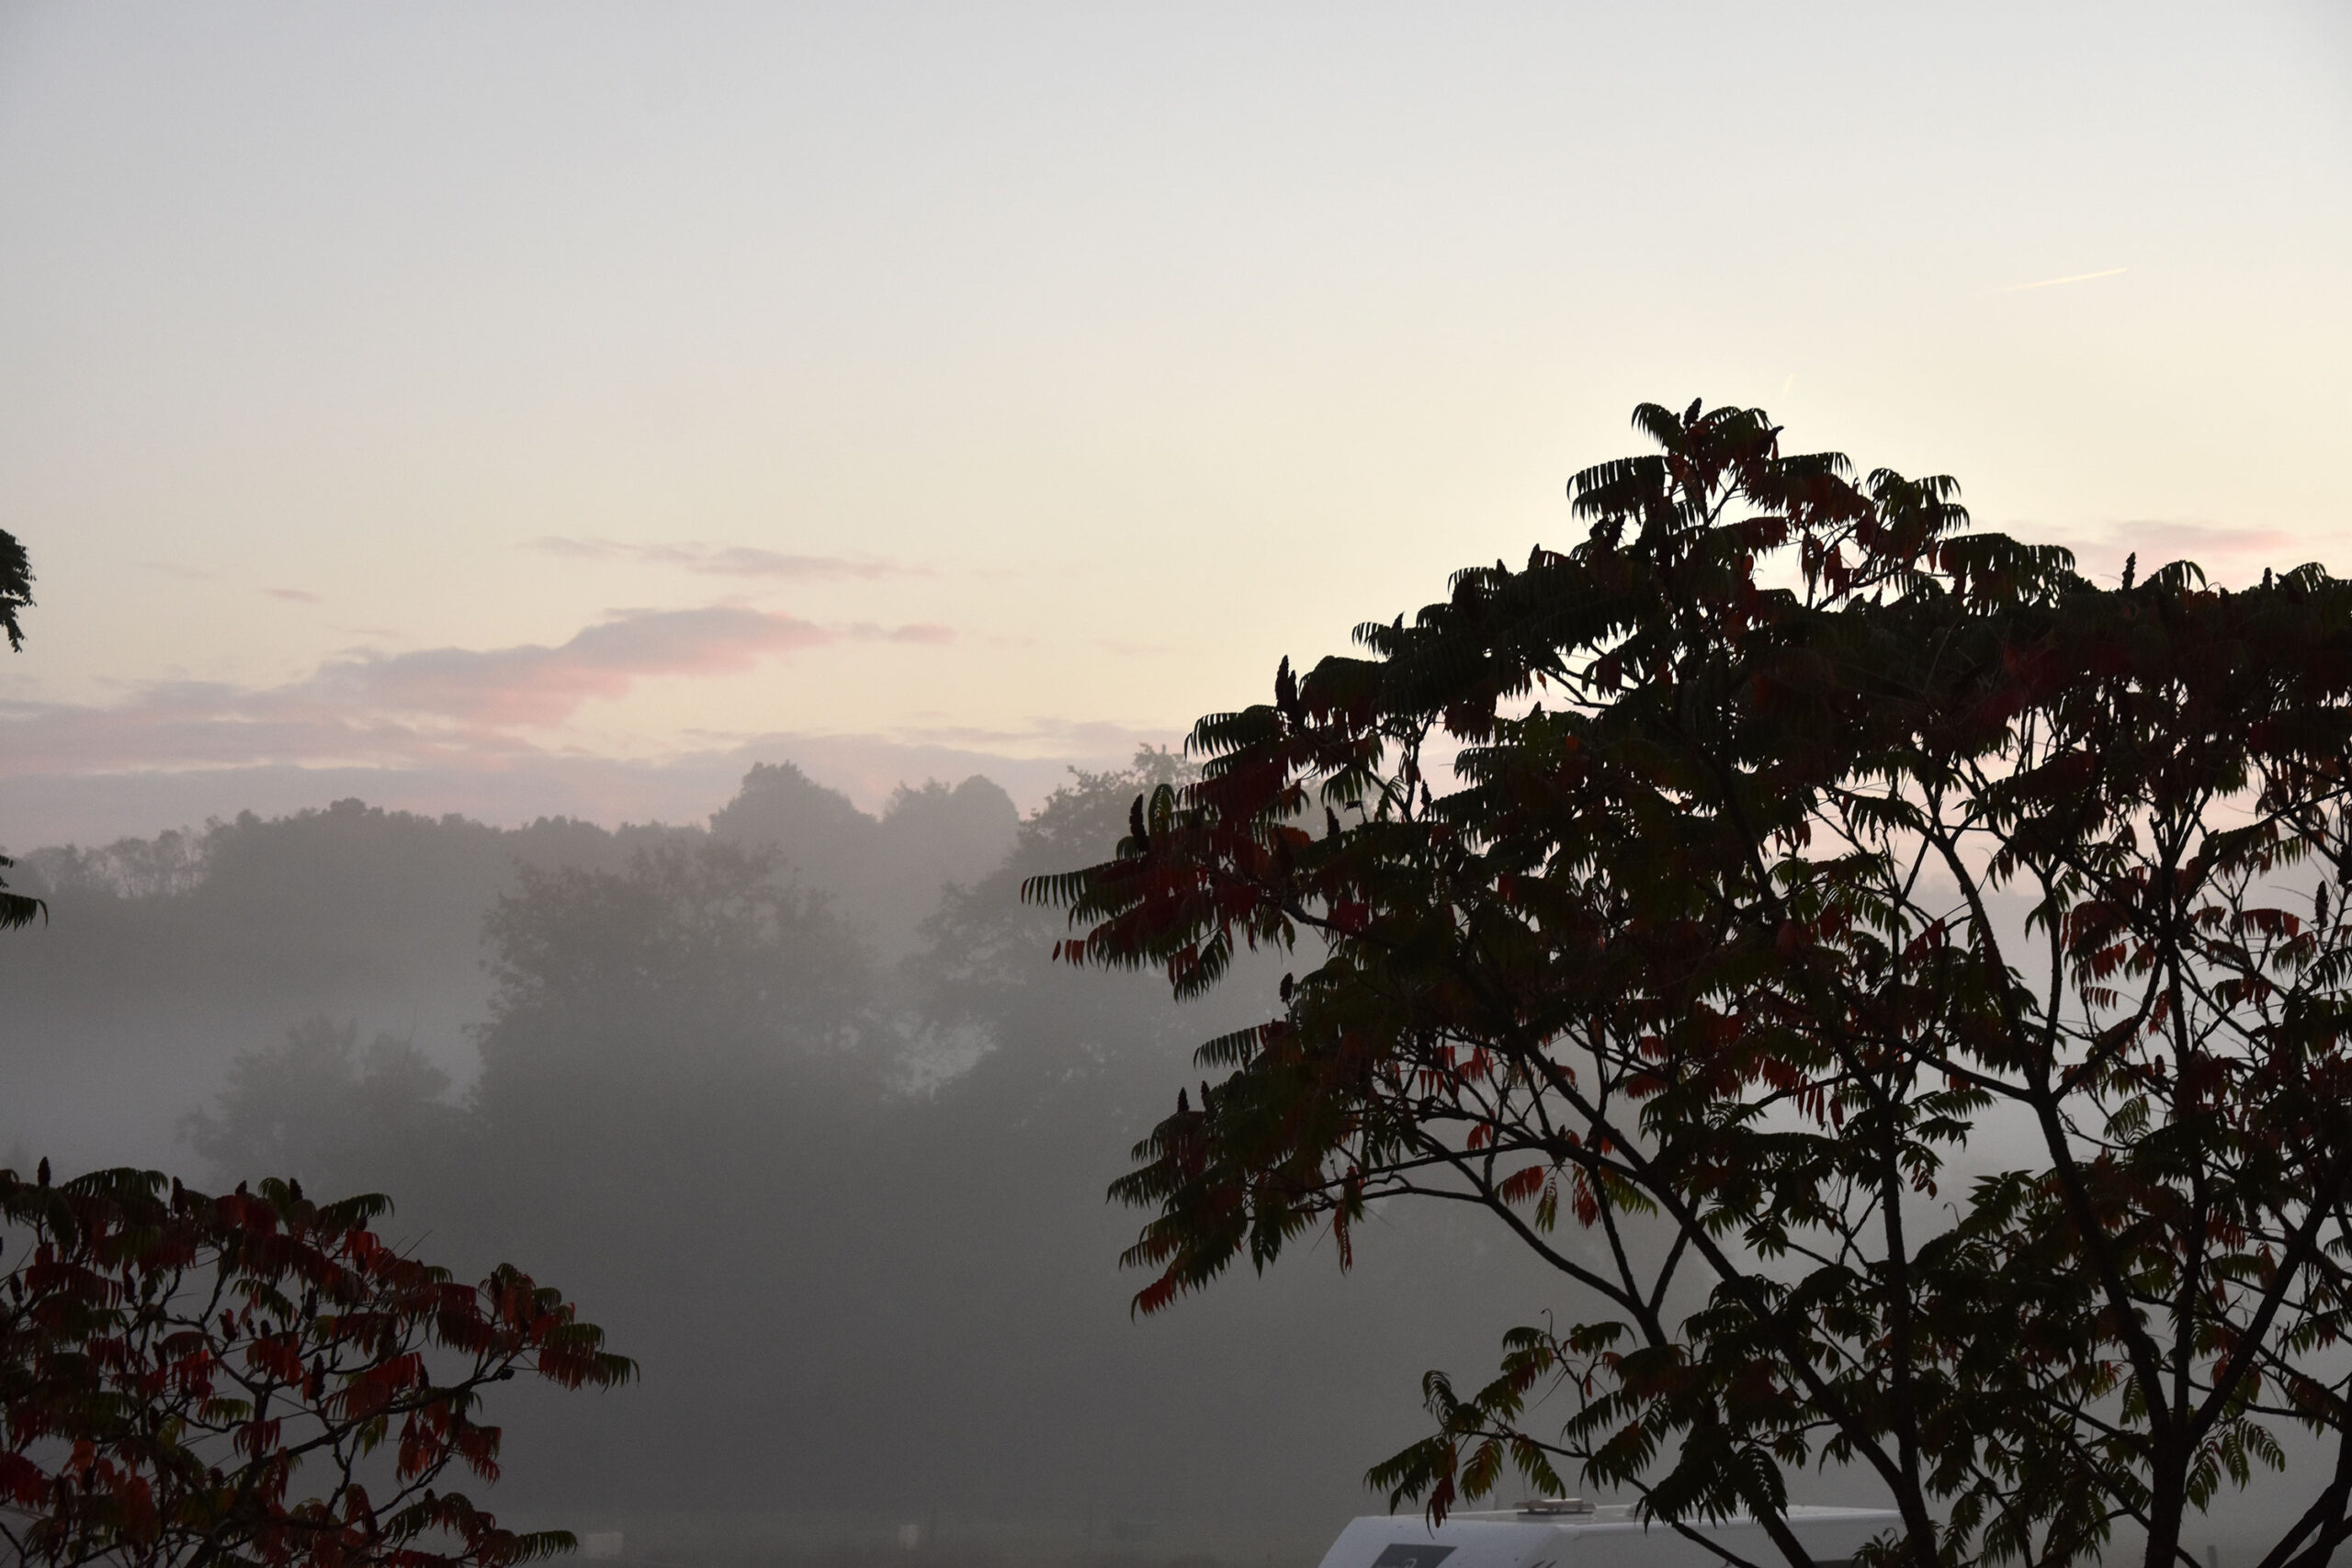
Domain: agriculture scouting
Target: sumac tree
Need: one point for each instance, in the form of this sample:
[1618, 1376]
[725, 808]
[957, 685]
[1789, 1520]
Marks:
[1900, 985]
[255, 1378]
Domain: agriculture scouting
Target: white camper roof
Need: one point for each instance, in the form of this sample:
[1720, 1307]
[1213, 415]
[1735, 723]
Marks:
[1603, 1538]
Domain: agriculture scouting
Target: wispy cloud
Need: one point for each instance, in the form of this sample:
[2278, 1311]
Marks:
[444, 705]
[1042, 735]
[721, 560]
[296, 595]
[917, 631]
[2072, 277]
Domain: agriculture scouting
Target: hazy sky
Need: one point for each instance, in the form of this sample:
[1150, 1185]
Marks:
[555, 404]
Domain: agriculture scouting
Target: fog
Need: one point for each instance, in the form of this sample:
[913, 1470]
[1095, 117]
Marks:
[796, 1104]
[444, 434]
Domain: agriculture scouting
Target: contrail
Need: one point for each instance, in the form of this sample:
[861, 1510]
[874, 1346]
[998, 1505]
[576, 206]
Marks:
[2054, 282]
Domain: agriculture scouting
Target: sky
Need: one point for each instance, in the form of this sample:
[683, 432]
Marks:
[551, 408]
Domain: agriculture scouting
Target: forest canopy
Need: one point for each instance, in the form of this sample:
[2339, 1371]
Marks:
[555, 1043]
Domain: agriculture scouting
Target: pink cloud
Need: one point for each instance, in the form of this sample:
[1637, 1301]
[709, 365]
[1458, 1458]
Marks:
[721, 560]
[441, 707]
[533, 685]
[298, 595]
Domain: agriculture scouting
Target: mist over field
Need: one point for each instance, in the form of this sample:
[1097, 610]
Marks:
[579, 553]
[797, 1106]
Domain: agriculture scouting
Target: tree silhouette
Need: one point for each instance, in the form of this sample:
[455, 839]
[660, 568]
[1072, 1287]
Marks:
[16, 594]
[1688, 900]
[177, 1370]
[320, 1106]
[16, 588]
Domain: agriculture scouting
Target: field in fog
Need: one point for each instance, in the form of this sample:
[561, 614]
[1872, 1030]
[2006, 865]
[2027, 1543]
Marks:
[798, 1108]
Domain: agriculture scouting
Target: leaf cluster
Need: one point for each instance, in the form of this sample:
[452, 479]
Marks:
[1690, 899]
[16, 595]
[254, 1378]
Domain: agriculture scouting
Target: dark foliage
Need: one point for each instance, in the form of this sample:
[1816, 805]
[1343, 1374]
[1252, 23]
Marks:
[16, 594]
[254, 1378]
[1688, 925]
[16, 588]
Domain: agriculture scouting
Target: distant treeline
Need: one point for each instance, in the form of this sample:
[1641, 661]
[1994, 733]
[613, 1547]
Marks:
[797, 1105]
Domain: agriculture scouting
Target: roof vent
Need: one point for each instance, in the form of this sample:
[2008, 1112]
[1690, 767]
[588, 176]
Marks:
[1556, 1506]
